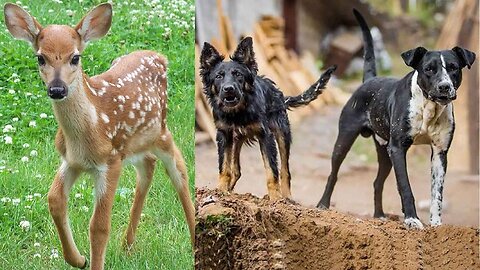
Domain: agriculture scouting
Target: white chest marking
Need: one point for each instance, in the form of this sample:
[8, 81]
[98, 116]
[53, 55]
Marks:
[430, 122]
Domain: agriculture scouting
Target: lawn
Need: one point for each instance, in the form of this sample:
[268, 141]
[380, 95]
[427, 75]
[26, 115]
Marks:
[28, 160]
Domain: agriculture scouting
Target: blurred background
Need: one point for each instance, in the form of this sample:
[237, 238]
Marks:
[293, 41]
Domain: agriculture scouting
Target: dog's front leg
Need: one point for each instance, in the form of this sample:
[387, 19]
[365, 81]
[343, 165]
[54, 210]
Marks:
[268, 148]
[224, 147]
[106, 180]
[439, 168]
[235, 163]
[57, 205]
[398, 153]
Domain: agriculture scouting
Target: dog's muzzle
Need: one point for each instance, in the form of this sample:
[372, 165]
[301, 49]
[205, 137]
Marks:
[444, 94]
[229, 96]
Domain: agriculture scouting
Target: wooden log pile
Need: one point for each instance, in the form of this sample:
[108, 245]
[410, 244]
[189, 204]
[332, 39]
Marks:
[292, 74]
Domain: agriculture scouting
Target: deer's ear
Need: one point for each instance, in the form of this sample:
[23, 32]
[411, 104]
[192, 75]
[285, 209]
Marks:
[21, 24]
[96, 23]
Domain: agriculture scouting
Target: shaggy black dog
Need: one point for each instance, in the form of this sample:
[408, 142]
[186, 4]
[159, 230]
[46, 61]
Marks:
[246, 108]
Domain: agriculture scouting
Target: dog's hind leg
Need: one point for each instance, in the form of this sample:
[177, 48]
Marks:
[345, 139]
[384, 168]
[284, 139]
[269, 154]
[235, 163]
[224, 145]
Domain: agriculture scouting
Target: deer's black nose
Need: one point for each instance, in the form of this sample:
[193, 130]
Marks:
[57, 89]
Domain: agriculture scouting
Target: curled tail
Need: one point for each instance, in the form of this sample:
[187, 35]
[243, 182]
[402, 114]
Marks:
[311, 93]
[369, 69]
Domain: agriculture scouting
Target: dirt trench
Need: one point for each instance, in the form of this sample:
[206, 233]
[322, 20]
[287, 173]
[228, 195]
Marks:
[241, 231]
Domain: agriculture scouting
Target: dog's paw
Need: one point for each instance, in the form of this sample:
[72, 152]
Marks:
[435, 222]
[413, 223]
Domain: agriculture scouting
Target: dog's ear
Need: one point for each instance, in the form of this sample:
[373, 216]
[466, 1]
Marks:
[209, 57]
[244, 54]
[412, 57]
[465, 56]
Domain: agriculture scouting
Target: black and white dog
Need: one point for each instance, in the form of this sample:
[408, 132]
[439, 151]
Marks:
[248, 107]
[416, 109]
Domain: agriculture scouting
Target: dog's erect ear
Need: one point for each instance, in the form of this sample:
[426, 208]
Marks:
[244, 54]
[21, 24]
[413, 56]
[465, 56]
[209, 57]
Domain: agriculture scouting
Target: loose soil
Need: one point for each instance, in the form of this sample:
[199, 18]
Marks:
[241, 231]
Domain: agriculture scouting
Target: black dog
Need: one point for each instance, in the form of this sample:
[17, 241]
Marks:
[416, 109]
[246, 108]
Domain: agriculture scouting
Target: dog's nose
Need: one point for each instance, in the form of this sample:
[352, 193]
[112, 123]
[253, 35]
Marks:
[57, 92]
[228, 88]
[444, 88]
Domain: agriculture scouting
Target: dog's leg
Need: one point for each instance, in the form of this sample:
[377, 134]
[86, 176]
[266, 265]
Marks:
[225, 147]
[439, 168]
[344, 142]
[105, 186]
[57, 205]
[145, 169]
[397, 153]
[235, 164]
[384, 168]
[269, 154]
[284, 141]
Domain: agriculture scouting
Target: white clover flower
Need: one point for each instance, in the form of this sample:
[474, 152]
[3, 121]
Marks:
[25, 224]
[28, 94]
[8, 140]
[11, 91]
[5, 200]
[26, 145]
[36, 244]
[33, 153]
[16, 80]
[69, 12]
[24, 159]
[36, 255]
[16, 201]
[37, 195]
[54, 254]
[29, 197]
[38, 175]
[8, 128]
[32, 124]
[85, 208]
[78, 195]
[15, 119]
[43, 115]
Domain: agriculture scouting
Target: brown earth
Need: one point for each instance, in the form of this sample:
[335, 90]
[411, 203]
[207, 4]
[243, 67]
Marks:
[241, 231]
[313, 140]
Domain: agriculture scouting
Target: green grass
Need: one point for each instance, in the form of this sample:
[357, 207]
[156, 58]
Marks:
[162, 239]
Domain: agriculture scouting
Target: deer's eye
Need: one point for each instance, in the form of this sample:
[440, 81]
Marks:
[41, 60]
[75, 60]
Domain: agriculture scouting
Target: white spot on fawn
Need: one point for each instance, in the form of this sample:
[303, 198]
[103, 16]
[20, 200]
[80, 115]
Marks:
[105, 118]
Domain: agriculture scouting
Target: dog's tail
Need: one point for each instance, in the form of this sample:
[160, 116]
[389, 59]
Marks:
[369, 69]
[311, 93]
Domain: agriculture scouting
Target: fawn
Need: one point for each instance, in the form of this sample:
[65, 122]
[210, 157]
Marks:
[104, 121]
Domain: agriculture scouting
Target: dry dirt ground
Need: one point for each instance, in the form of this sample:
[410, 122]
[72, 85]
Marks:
[241, 231]
[313, 141]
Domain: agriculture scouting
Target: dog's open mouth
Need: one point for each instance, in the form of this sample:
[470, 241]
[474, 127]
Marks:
[230, 100]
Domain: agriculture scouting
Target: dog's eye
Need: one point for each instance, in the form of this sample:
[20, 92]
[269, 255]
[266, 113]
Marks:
[451, 67]
[429, 70]
[219, 76]
[75, 60]
[41, 60]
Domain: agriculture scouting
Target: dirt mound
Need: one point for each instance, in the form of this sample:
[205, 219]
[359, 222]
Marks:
[245, 232]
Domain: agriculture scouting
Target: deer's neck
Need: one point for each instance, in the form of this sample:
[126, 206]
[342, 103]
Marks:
[76, 114]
